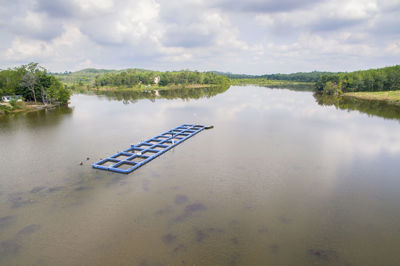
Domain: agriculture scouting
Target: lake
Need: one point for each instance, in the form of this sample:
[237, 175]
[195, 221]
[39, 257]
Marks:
[283, 178]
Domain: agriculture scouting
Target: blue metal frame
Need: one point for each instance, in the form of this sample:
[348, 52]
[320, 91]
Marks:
[144, 152]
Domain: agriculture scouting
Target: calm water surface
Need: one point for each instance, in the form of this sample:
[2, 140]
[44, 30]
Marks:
[280, 180]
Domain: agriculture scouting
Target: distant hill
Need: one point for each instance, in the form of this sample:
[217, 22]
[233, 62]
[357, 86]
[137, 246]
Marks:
[88, 75]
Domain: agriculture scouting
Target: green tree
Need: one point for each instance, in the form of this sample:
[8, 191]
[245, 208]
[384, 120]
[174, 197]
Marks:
[29, 78]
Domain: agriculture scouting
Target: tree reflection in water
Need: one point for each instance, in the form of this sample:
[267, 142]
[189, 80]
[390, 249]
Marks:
[127, 96]
[371, 107]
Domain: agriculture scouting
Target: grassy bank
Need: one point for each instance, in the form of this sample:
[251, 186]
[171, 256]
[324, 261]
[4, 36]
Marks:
[388, 96]
[22, 107]
[273, 83]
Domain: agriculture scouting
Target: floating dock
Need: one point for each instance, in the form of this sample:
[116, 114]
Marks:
[138, 155]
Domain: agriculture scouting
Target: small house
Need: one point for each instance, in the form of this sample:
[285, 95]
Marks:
[157, 80]
[9, 98]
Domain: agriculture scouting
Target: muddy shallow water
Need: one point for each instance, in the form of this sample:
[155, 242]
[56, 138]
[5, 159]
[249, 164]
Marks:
[280, 180]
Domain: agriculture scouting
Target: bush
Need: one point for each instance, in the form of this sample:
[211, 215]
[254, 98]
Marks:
[5, 109]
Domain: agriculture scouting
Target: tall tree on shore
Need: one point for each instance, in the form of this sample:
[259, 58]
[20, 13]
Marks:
[29, 79]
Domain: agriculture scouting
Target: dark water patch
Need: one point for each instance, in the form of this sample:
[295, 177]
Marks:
[285, 220]
[6, 221]
[141, 219]
[189, 211]
[169, 238]
[155, 175]
[83, 188]
[18, 201]
[195, 207]
[234, 259]
[200, 235]
[9, 248]
[37, 189]
[145, 185]
[323, 254]
[55, 189]
[117, 180]
[146, 263]
[234, 223]
[263, 229]
[30, 229]
[274, 248]
[248, 207]
[215, 230]
[179, 248]
[181, 199]
[234, 240]
[164, 211]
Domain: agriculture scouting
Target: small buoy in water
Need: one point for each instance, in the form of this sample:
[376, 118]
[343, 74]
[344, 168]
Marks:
[209, 127]
[87, 158]
[81, 163]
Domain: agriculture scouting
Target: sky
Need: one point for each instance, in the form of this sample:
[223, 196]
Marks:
[252, 36]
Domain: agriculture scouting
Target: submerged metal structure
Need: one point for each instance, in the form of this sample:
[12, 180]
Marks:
[138, 155]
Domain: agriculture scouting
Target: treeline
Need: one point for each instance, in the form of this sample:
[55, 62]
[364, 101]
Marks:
[381, 79]
[299, 76]
[82, 77]
[33, 83]
[132, 78]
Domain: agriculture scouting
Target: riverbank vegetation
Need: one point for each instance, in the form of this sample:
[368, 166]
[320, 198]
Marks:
[133, 78]
[313, 76]
[381, 79]
[22, 107]
[33, 84]
[139, 79]
[389, 96]
[81, 77]
[273, 83]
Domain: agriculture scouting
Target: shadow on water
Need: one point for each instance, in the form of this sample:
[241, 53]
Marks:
[170, 94]
[370, 107]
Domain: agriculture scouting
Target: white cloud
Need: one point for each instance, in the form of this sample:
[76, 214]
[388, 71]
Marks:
[247, 36]
[394, 47]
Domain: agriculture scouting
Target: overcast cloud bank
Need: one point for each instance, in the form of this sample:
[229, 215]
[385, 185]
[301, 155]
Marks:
[251, 36]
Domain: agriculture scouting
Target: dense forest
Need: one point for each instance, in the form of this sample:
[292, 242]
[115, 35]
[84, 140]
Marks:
[295, 85]
[299, 76]
[381, 79]
[132, 77]
[81, 77]
[33, 83]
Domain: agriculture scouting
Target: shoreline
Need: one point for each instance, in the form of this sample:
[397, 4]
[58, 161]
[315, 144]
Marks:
[143, 88]
[392, 97]
[23, 107]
